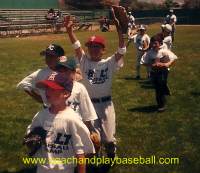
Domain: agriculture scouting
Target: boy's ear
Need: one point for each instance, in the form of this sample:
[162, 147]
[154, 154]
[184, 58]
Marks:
[67, 94]
[103, 50]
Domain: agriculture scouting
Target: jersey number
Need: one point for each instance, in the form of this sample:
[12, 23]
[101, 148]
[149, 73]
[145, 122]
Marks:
[62, 139]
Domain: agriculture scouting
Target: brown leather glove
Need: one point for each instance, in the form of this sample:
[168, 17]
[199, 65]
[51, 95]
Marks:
[34, 140]
[121, 15]
[96, 140]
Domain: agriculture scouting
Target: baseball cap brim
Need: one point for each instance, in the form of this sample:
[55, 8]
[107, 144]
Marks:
[94, 42]
[49, 84]
[50, 53]
[142, 28]
[65, 65]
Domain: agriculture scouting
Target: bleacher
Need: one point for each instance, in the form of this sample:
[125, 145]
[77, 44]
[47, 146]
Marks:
[33, 21]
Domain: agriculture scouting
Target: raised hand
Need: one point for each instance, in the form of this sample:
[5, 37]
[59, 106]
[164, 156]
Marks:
[68, 23]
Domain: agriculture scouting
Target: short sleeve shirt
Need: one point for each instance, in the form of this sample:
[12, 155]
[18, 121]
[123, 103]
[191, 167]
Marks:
[97, 76]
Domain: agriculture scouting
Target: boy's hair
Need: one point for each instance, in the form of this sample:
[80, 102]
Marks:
[158, 38]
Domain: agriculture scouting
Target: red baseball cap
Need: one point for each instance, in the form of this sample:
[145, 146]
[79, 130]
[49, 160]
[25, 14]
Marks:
[56, 81]
[96, 39]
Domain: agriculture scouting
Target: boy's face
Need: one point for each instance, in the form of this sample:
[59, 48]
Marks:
[156, 45]
[56, 97]
[95, 51]
[67, 72]
[142, 31]
[51, 61]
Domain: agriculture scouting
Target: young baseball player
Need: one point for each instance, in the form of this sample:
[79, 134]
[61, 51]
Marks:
[97, 78]
[159, 60]
[141, 41]
[51, 54]
[66, 135]
[166, 31]
[131, 26]
[171, 19]
[79, 100]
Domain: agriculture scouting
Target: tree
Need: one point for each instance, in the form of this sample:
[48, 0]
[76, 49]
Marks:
[169, 3]
[191, 4]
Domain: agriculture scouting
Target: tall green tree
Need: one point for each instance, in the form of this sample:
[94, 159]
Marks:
[169, 3]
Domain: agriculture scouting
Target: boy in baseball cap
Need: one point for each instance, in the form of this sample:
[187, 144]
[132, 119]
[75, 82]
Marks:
[159, 59]
[79, 99]
[142, 42]
[67, 136]
[166, 31]
[97, 78]
[52, 53]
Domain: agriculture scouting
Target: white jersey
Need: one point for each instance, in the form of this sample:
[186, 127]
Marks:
[29, 82]
[173, 19]
[131, 19]
[79, 99]
[163, 54]
[139, 41]
[97, 76]
[81, 103]
[66, 137]
[168, 41]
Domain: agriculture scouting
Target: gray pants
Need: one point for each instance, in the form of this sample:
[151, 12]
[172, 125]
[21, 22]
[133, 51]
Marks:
[106, 125]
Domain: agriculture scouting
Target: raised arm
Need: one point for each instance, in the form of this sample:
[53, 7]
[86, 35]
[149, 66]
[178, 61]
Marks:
[121, 47]
[68, 23]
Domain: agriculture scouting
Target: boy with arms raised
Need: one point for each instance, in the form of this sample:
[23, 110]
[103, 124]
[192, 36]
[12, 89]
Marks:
[97, 78]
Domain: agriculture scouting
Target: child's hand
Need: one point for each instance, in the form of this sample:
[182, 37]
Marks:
[68, 23]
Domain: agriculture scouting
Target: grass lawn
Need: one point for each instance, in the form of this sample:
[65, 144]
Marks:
[141, 131]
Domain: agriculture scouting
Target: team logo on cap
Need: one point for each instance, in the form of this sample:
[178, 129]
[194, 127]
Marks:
[63, 59]
[51, 47]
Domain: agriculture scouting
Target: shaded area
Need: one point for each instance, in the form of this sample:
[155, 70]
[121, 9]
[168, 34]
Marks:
[144, 109]
[129, 78]
[146, 84]
[195, 93]
[24, 170]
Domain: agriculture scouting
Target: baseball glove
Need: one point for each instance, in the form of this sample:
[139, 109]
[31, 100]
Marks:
[96, 140]
[34, 140]
[121, 15]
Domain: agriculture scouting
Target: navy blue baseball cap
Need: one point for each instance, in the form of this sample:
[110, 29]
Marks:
[53, 50]
[56, 81]
[68, 63]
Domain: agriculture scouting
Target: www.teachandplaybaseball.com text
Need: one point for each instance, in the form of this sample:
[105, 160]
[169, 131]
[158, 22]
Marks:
[151, 160]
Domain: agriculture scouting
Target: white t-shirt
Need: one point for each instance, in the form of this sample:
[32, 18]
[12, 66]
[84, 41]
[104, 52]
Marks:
[79, 99]
[29, 82]
[168, 41]
[131, 19]
[173, 19]
[139, 41]
[97, 76]
[150, 56]
[81, 103]
[66, 136]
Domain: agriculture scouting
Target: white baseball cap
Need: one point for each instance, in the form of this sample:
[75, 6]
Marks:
[171, 11]
[168, 28]
[142, 27]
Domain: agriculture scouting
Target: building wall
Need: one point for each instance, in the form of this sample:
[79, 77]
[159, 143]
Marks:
[29, 4]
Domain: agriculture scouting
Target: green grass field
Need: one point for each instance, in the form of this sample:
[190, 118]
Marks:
[141, 131]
